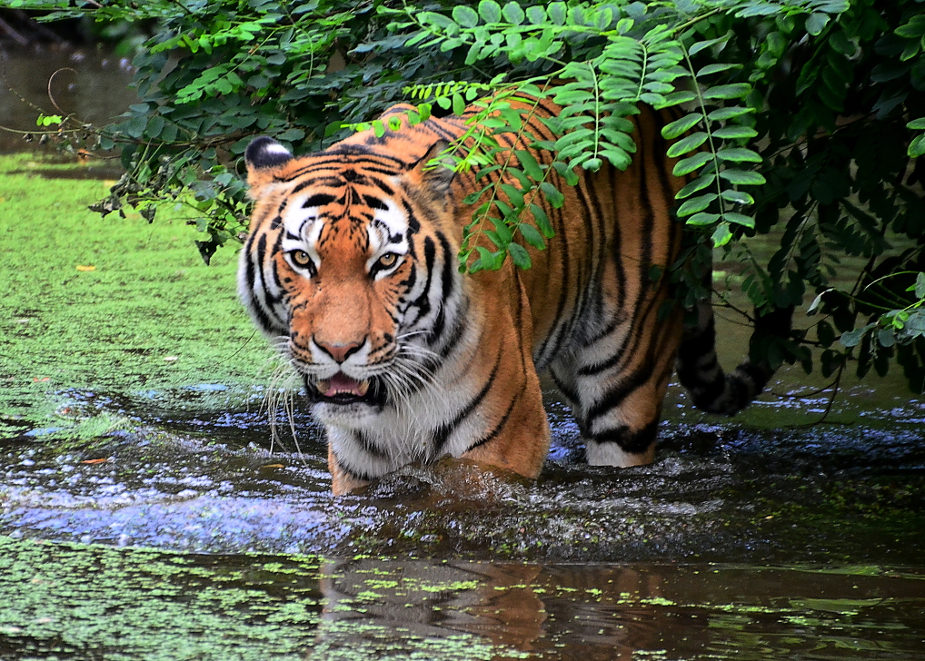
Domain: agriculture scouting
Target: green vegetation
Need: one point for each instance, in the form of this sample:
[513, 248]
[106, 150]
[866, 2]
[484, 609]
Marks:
[112, 309]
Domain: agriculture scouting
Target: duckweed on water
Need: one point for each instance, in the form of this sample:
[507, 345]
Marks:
[148, 316]
[99, 602]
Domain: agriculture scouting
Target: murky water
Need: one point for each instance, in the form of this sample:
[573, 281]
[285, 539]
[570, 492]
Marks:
[90, 85]
[182, 531]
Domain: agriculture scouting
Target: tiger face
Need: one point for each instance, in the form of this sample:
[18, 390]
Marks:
[338, 268]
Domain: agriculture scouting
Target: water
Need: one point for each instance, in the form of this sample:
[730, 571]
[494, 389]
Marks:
[170, 526]
[91, 86]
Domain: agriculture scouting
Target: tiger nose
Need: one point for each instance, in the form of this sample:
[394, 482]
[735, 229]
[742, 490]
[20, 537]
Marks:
[339, 351]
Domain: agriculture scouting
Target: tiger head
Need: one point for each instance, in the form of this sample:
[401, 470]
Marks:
[344, 268]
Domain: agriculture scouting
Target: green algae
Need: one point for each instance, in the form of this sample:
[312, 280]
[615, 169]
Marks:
[80, 601]
[98, 602]
[109, 304]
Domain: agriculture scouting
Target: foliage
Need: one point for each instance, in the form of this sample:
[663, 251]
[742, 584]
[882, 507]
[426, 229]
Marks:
[799, 119]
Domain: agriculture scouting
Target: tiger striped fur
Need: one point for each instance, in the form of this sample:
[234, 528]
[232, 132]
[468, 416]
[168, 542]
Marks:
[351, 262]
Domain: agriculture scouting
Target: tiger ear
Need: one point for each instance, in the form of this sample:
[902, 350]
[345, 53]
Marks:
[434, 170]
[263, 157]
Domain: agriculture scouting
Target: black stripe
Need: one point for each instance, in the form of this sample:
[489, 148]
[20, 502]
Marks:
[447, 286]
[633, 441]
[570, 394]
[617, 393]
[368, 446]
[553, 338]
[263, 319]
[456, 331]
[352, 472]
[375, 203]
[422, 302]
[414, 225]
[442, 433]
[501, 423]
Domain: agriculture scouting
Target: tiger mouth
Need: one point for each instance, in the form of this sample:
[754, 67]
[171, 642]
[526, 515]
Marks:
[341, 389]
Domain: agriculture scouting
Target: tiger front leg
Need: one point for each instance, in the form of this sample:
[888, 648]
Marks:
[342, 481]
[516, 436]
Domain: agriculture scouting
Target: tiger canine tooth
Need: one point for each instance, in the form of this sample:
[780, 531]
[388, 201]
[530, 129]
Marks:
[323, 385]
[363, 387]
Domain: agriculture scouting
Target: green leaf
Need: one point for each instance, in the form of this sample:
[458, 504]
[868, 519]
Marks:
[728, 91]
[703, 218]
[738, 219]
[681, 126]
[716, 68]
[490, 11]
[737, 197]
[692, 163]
[687, 144]
[532, 236]
[696, 185]
[557, 13]
[917, 124]
[552, 194]
[816, 23]
[735, 132]
[466, 16]
[708, 43]
[738, 155]
[743, 177]
[675, 98]
[728, 112]
[542, 221]
[853, 338]
[536, 15]
[917, 146]
[48, 120]
[513, 13]
[721, 235]
[520, 256]
[695, 204]
[920, 285]
[530, 165]
[501, 227]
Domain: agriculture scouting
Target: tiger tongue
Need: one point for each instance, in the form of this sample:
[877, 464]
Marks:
[341, 383]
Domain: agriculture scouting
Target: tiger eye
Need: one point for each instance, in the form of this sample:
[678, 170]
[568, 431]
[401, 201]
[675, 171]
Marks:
[388, 260]
[300, 258]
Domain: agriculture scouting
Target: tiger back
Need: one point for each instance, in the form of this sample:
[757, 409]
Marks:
[351, 266]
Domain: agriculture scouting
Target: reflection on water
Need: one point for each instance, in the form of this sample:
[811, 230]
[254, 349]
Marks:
[74, 601]
[607, 613]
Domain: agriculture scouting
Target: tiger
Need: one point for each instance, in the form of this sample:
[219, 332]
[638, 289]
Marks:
[350, 266]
